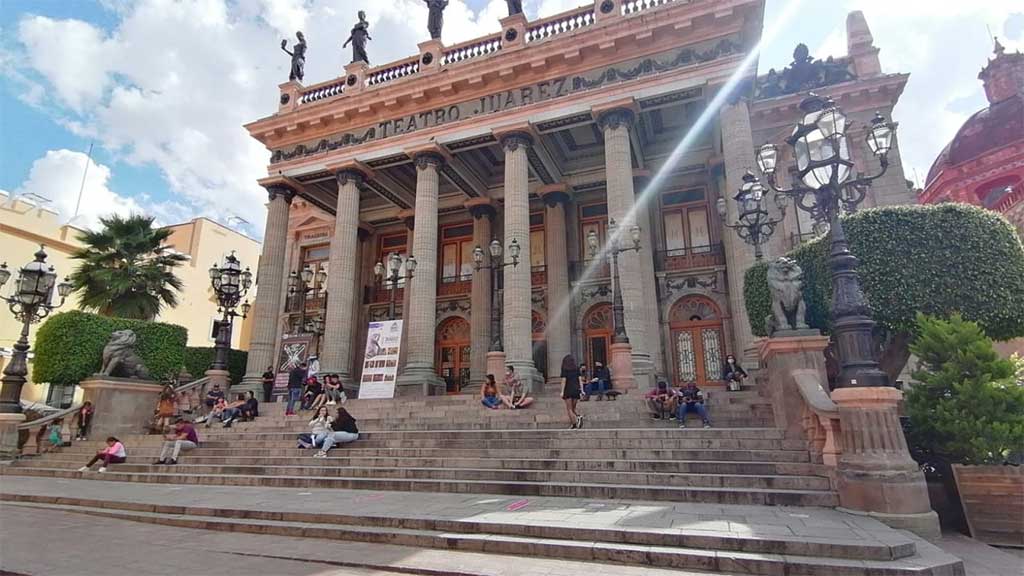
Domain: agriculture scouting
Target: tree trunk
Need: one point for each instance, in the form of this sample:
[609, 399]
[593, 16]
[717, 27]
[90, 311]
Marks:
[895, 355]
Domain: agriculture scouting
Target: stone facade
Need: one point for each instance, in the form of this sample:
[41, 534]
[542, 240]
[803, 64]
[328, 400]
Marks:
[543, 142]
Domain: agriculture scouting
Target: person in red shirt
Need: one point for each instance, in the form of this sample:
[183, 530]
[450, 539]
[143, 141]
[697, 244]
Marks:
[184, 437]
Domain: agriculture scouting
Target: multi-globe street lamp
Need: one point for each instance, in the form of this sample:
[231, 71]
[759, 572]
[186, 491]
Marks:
[230, 283]
[615, 248]
[497, 263]
[394, 276]
[824, 189]
[753, 225]
[30, 301]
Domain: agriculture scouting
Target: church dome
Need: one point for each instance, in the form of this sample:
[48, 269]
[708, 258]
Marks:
[988, 129]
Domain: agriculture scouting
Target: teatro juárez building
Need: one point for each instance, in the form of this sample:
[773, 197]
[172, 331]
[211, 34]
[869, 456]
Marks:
[641, 112]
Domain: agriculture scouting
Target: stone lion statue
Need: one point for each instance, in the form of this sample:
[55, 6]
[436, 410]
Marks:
[120, 358]
[785, 283]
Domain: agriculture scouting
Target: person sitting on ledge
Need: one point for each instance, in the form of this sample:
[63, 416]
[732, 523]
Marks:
[233, 411]
[251, 409]
[516, 397]
[489, 393]
[344, 430]
[661, 402]
[733, 374]
[320, 429]
[599, 384]
[114, 453]
[691, 399]
[184, 437]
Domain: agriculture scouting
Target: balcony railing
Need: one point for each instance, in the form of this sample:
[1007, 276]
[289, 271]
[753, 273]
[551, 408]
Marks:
[380, 294]
[635, 6]
[560, 24]
[455, 285]
[691, 257]
[472, 49]
[538, 275]
[589, 270]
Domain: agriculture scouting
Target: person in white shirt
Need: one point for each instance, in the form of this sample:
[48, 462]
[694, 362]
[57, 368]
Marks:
[114, 453]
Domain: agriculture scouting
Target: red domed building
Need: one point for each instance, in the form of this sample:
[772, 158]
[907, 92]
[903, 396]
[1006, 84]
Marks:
[984, 163]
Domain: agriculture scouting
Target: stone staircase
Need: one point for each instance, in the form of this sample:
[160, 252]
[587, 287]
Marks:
[448, 446]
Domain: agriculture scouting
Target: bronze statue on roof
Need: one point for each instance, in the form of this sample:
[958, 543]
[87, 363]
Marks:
[435, 20]
[360, 34]
[298, 54]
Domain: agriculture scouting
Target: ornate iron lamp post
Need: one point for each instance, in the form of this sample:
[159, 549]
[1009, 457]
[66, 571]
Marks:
[824, 189]
[754, 226]
[30, 302]
[304, 283]
[497, 264]
[615, 248]
[231, 284]
[394, 276]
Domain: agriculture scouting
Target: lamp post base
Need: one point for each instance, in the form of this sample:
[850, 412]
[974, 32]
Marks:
[222, 377]
[621, 365]
[9, 435]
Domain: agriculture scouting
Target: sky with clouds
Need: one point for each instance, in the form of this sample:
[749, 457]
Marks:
[161, 88]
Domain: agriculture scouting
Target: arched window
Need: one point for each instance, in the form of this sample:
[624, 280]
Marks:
[597, 334]
[697, 341]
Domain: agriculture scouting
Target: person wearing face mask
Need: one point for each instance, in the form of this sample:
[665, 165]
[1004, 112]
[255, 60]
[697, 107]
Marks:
[733, 373]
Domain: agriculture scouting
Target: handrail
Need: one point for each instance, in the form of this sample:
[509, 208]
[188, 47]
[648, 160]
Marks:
[820, 417]
[47, 419]
[192, 385]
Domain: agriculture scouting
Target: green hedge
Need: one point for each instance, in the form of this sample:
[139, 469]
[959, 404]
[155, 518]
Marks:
[69, 347]
[199, 358]
[936, 259]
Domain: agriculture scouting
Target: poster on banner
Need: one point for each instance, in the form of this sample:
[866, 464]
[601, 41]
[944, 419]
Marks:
[380, 360]
[294, 351]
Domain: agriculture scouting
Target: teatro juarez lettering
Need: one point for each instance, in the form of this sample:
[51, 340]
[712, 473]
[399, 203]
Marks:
[517, 97]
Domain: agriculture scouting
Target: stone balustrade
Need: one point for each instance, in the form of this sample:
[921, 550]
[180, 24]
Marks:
[636, 6]
[393, 71]
[560, 24]
[472, 49]
[322, 91]
[819, 418]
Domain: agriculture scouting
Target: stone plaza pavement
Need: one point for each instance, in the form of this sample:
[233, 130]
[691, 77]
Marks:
[45, 507]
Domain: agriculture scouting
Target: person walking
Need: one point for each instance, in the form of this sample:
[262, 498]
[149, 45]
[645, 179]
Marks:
[114, 453]
[296, 378]
[571, 390]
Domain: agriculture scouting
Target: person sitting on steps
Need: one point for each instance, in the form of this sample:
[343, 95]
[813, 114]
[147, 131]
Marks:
[691, 399]
[489, 393]
[233, 410]
[217, 412]
[600, 384]
[571, 390]
[661, 402]
[184, 437]
[344, 430]
[251, 409]
[733, 374]
[320, 428]
[114, 453]
[332, 389]
[313, 396]
[212, 396]
[516, 396]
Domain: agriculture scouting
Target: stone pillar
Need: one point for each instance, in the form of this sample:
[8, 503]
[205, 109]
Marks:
[517, 320]
[269, 292]
[650, 281]
[738, 152]
[419, 376]
[556, 260]
[615, 124]
[342, 269]
[480, 300]
[408, 217]
[124, 406]
[876, 474]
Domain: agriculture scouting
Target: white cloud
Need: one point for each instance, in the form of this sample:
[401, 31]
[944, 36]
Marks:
[73, 55]
[57, 176]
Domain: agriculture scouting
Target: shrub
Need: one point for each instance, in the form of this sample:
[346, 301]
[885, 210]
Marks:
[199, 358]
[968, 406]
[69, 347]
[939, 260]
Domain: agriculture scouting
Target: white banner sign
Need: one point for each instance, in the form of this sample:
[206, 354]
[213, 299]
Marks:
[380, 360]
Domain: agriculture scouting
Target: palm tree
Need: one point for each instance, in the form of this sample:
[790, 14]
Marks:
[126, 269]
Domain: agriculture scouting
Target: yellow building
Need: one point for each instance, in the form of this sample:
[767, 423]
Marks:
[26, 223]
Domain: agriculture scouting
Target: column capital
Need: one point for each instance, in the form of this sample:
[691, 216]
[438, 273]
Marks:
[427, 159]
[512, 141]
[278, 190]
[350, 175]
[615, 118]
[554, 194]
[408, 217]
[481, 207]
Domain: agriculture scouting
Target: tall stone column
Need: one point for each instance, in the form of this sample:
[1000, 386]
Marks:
[615, 124]
[650, 282]
[270, 289]
[409, 218]
[738, 152]
[556, 260]
[517, 321]
[419, 376]
[480, 300]
[342, 270]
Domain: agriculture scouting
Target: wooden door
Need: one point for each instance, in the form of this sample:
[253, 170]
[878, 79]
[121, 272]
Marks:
[597, 335]
[697, 341]
[452, 353]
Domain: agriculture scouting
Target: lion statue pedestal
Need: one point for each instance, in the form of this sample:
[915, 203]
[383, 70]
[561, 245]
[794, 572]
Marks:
[121, 392]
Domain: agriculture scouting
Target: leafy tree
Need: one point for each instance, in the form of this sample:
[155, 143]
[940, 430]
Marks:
[126, 269]
[936, 259]
[968, 406]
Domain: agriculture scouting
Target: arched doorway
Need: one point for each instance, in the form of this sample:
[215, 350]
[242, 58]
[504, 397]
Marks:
[697, 342]
[597, 334]
[452, 352]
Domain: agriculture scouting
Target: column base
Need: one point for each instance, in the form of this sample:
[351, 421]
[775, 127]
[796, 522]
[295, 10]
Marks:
[496, 364]
[419, 381]
[9, 435]
[876, 475]
[621, 365]
[123, 406]
[253, 383]
[528, 375]
[643, 370]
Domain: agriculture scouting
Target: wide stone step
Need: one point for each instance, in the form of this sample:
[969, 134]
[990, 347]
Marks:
[641, 478]
[711, 552]
[341, 458]
[741, 455]
[771, 497]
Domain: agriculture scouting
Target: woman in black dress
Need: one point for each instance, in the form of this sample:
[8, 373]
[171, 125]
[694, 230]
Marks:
[571, 390]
